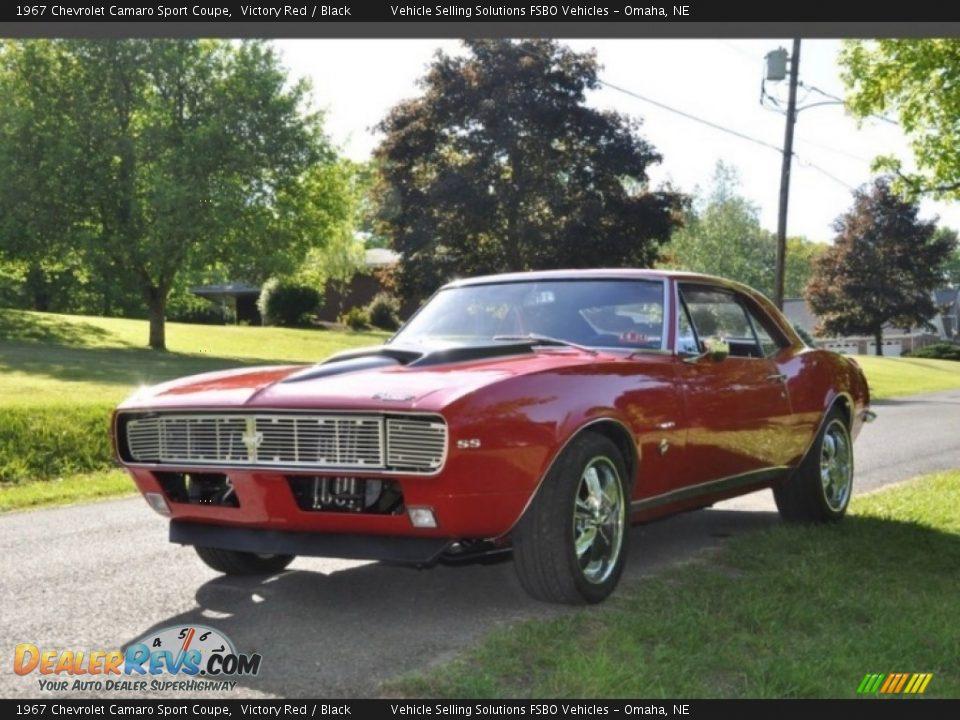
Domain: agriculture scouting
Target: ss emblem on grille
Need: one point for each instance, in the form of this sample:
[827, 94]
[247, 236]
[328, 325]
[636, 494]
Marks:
[251, 438]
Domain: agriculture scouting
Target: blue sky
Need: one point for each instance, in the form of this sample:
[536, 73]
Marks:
[357, 81]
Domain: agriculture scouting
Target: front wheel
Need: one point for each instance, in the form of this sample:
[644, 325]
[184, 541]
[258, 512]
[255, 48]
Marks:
[234, 562]
[820, 489]
[570, 545]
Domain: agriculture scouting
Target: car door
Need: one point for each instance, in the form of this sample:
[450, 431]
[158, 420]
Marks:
[737, 408]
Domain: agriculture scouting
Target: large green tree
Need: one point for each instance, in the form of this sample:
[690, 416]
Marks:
[917, 81]
[721, 235]
[500, 164]
[882, 268]
[157, 156]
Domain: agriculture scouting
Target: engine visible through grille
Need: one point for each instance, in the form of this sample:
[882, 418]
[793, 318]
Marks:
[374, 442]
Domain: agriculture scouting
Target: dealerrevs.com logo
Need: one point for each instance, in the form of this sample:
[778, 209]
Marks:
[200, 658]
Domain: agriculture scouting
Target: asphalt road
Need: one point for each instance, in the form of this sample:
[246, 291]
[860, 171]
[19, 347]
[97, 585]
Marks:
[99, 576]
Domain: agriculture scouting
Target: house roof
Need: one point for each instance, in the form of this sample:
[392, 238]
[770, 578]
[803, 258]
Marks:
[945, 296]
[225, 290]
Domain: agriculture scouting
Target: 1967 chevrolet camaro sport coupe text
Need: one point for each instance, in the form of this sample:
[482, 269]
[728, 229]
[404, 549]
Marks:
[540, 411]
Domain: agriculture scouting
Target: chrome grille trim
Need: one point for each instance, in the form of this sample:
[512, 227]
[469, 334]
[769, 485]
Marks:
[317, 441]
[415, 444]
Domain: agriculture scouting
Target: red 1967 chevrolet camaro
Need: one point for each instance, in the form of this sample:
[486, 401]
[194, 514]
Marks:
[540, 411]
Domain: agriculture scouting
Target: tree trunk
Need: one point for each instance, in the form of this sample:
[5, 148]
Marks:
[157, 309]
[36, 285]
[878, 339]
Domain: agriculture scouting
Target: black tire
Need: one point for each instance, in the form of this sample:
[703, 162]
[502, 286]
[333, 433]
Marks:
[234, 562]
[819, 490]
[566, 509]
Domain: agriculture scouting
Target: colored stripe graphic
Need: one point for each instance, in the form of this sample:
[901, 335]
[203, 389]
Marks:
[894, 683]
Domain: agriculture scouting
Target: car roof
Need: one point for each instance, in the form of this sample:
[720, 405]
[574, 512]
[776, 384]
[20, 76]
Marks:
[594, 274]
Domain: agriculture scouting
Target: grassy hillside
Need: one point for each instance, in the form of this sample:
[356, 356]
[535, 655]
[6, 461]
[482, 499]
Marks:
[48, 359]
[890, 377]
[61, 375]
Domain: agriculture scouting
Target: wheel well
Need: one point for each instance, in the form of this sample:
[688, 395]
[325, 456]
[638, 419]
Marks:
[843, 403]
[622, 438]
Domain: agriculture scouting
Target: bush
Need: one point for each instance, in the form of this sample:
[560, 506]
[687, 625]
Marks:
[189, 308]
[384, 311]
[355, 318]
[287, 304]
[41, 443]
[937, 351]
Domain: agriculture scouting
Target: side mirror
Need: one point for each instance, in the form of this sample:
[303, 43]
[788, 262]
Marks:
[714, 348]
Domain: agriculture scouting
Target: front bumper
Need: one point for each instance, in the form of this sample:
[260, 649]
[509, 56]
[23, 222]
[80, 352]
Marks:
[389, 549]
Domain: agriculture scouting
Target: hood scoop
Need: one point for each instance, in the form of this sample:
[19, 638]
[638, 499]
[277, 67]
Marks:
[339, 367]
[386, 356]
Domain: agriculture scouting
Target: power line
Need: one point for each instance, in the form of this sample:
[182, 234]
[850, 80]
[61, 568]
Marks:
[832, 149]
[721, 128]
[689, 116]
[711, 124]
[825, 173]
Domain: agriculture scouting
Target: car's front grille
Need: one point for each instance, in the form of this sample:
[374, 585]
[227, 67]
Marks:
[372, 442]
[415, 444]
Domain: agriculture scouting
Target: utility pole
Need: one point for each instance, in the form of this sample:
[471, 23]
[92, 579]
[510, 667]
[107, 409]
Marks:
[785, 174]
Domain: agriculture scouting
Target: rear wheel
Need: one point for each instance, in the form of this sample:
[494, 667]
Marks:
[234, 562]
[820, 489]
[570, 545]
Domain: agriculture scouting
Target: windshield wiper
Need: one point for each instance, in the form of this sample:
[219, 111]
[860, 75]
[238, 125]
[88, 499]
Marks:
[535, 339]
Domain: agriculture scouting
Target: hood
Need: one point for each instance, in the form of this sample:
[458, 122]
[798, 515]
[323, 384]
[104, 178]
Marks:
[381, 378]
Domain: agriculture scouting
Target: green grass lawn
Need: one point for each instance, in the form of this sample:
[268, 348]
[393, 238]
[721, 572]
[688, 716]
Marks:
[793, 611]
[83, 487]
[48, 359]
[891, 377]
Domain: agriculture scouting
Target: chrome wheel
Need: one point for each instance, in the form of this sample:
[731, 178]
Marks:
[598, 520]
[836, 466]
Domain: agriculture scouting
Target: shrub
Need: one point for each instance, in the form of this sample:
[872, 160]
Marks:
[41, 443]
[384, 311]
[937, 351]
[287, 304]
[355, 318]
[189, 308]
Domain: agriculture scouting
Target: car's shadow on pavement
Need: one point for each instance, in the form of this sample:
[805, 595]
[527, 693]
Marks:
[339, 633]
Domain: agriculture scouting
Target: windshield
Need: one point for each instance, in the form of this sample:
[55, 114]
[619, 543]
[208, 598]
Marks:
[624, 314]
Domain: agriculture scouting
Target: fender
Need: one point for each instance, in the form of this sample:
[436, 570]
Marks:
[633, 461]
[850, 413]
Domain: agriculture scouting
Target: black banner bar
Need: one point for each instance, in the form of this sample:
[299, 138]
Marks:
[352, 11]
[868, 709]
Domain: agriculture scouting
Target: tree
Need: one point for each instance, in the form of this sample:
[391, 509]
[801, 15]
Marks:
[500, 165]
[174, 154]
[951, 267]
[721, 235]
[335, 263]
[801, 255]
[882, 268]
[915, 79]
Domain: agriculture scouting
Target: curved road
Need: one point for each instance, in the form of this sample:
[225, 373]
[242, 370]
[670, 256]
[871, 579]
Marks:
[99, 576]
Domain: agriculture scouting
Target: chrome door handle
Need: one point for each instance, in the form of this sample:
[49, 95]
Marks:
[777, 377]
